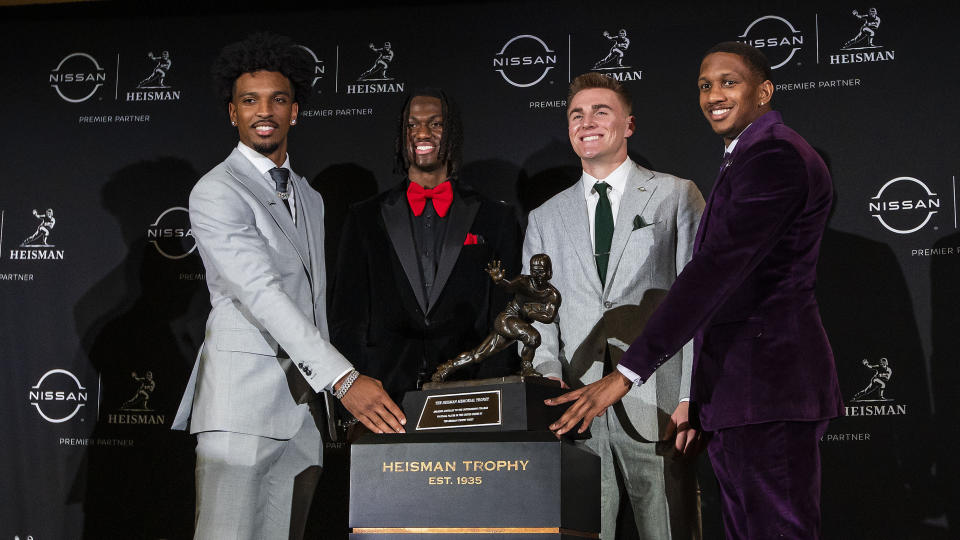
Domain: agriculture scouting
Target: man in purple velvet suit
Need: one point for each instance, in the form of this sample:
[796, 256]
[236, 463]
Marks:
[764, 380]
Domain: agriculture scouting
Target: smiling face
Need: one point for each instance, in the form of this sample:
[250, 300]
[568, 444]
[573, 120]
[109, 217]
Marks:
[424, 133]
[263, 109]
[598, 125]
[732, 95]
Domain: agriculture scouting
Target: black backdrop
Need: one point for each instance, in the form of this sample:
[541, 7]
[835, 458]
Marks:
[119, 291]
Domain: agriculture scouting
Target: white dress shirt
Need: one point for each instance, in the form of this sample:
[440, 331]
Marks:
[263, 164]
[617, 180]
[733, 144]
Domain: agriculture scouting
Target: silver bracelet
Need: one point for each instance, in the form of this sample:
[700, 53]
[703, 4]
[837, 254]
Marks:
[347, 383]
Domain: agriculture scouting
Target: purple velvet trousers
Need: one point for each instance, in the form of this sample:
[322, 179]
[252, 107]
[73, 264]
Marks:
[769, 477]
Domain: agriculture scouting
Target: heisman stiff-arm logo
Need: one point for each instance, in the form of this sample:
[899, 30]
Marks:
[870, 22]
[378, 71]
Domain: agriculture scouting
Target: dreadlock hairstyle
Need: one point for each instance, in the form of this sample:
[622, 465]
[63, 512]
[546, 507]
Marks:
[267, 52]
[451, 143]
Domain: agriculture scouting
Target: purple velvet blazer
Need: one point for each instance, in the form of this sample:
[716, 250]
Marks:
[747, 296]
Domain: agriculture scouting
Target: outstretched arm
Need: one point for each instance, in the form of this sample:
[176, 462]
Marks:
[495, 270]
[765, 204]
[226, 231]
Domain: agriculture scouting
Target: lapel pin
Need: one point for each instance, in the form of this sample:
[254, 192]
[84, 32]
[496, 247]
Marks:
[641, 188]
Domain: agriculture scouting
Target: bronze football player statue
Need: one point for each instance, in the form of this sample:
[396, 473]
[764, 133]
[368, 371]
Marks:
[535, 299]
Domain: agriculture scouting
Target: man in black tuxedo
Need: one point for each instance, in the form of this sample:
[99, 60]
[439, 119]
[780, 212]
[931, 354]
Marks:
[411, 291]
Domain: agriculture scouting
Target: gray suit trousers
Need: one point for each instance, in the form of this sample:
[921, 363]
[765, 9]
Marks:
[256, 488]
[662, 491]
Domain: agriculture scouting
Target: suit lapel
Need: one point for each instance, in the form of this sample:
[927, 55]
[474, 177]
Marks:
[705, 219]
[396, 218]
[636, 194]
[305, 230]
[746, 139]
[578, 229]
[461, 215]
[247, 175]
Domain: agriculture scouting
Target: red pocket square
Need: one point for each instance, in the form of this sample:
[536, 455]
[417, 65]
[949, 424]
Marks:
[471, 240]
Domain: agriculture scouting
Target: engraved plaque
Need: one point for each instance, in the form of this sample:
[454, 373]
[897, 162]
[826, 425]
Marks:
[464, 409]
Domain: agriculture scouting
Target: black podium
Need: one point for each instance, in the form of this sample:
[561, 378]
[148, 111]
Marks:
[501, 476]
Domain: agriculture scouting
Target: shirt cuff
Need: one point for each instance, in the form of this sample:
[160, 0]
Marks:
[684, 399]
[634, 378]
[336, 379]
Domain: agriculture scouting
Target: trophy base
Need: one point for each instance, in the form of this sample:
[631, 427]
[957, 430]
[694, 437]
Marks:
[512, 403]
[534, 379]
[448, 486]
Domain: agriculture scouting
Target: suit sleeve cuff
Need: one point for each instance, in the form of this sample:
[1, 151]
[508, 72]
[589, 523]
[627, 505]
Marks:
[634, 378]
[333, 383]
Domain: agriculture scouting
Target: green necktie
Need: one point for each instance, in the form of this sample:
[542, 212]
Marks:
[603, 230]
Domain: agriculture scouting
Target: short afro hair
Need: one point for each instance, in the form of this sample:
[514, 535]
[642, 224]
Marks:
[755, 60]
[264, 51]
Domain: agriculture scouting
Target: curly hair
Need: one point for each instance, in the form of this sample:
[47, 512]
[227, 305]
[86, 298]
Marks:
[451, 143]
[264, 51]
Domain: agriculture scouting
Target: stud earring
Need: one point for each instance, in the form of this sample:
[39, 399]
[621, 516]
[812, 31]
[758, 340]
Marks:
[233, 123]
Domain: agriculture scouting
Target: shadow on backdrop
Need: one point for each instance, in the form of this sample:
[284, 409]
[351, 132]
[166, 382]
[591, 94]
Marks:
[493, 178]
[141, 327]
[878, 456]
[541, 178]
[945, 374]
[340, 185]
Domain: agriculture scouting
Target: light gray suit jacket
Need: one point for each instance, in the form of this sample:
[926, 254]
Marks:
[266, 350]
[652, 240]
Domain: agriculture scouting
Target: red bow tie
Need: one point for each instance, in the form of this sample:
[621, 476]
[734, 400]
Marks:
[442, 197]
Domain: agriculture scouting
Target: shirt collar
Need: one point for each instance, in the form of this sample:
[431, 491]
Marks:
[733, 143]
[261, 162]
[617, 179]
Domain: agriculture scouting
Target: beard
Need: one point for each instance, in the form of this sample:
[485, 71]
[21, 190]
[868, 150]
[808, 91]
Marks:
[266, 148]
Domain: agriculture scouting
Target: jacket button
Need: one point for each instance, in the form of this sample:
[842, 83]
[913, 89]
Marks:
[608, 304]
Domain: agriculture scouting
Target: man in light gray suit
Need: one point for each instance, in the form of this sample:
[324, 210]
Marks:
[254, 395]
[618, 238]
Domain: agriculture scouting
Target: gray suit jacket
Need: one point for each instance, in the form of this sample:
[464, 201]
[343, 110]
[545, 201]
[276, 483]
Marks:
[266, 350]
[652, 241]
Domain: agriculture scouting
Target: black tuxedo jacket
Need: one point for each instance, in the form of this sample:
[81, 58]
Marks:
[380, 319]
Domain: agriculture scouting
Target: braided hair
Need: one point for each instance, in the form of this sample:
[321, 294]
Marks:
[451, 143]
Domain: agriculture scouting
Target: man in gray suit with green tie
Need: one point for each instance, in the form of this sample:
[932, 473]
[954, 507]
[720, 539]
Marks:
[260, 392]
[617, 239]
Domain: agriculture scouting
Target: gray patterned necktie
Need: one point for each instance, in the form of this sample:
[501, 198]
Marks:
[281, 177]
